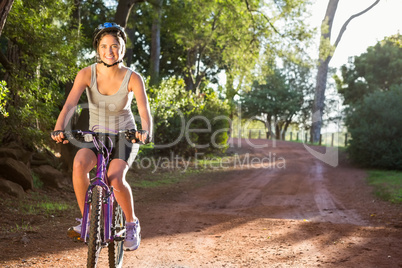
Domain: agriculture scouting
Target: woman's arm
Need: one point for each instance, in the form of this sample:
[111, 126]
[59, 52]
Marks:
[82, 80]
[137, 86]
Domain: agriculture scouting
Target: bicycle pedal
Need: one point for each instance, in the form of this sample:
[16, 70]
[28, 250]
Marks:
[72, 234]
[77, 239]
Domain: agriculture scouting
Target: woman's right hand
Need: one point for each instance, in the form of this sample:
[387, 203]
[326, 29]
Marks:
[58, 136]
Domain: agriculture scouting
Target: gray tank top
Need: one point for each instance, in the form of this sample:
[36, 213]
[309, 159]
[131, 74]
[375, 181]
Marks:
[110, 113]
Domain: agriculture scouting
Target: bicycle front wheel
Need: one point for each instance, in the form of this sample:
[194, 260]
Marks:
[95, 234]
[116, 250]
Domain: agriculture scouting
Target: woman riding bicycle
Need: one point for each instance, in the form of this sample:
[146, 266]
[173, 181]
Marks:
[110, 87]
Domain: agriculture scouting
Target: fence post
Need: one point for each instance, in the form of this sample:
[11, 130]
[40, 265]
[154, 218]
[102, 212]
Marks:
[291, 136]
[320, 142]
[306, 138]
[259, 134]
[297, 136]
[332, 139]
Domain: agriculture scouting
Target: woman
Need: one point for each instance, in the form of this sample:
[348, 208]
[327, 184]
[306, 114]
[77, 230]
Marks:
[110, 87]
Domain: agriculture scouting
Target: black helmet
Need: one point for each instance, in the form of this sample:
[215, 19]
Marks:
[108, 27]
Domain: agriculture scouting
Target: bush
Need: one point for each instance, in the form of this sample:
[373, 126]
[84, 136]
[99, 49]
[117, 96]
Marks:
[185, 122]
[375, 126]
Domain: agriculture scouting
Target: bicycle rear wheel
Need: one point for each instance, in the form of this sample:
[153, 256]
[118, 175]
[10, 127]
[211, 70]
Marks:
[95, 234]
[116, 250]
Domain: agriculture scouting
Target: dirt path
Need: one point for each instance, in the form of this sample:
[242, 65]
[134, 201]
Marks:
[276, 206]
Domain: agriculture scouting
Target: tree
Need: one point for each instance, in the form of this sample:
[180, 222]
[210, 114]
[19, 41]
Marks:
[5, 7]
[326, 51]
[156, 42]
[375, 70]
[375, 127]
[274, 102]
[372, 89]
[40, 53]
[123, 11]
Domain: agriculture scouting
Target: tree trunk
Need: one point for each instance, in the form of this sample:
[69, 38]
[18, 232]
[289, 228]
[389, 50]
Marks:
[319, 99]
[76, 15]
[325, 54]
[130, 49]
[156, 43]
[323, 62]
[123, 11]
[189, 72]
[5, 7]
[130, 31]
[277, 131]
[269, 126]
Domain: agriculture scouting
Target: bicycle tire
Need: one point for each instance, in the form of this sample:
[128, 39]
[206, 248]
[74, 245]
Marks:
[95, 228]
[116, 250]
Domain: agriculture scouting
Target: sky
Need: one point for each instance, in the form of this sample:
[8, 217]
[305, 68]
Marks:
[364, 31]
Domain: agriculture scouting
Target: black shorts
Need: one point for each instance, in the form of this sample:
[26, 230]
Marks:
[120, 146]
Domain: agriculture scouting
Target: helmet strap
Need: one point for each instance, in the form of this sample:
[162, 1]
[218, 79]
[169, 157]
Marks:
[110, 65]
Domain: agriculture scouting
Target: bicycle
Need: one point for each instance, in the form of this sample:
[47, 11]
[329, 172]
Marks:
[102, 214]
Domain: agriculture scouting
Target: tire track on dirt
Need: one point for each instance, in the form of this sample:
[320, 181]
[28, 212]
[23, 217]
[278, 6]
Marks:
[330, 209]
[300, 191]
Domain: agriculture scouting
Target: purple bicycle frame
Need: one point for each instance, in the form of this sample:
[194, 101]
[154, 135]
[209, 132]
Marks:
[108, 199]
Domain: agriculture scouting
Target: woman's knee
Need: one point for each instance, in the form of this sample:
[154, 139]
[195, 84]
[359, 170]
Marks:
[84, 161]
[117, 180]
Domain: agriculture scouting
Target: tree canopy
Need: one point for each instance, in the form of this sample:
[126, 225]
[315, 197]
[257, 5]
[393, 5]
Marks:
[378, 69]
[251, 42]
[37, 48]
[372, 88]
[274, 101]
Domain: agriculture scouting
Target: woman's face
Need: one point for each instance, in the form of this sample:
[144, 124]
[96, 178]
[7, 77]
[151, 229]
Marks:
[109, 49]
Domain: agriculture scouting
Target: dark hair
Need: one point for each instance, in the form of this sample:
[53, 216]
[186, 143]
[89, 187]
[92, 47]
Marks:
[117, 35]
[109, 28]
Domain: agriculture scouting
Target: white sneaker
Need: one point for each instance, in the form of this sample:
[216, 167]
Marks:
[133, 236]
[75, 231]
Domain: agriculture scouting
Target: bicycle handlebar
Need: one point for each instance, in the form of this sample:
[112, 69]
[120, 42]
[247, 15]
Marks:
[129, 134]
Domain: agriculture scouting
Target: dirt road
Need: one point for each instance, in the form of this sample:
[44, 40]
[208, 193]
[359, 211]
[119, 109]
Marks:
[276, 206]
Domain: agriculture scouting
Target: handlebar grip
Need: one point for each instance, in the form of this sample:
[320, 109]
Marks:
[69, 135]
[131, 135]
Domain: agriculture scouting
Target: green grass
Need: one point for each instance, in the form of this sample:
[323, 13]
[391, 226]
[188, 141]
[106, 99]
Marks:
[34, 203]
[38, 204]
[387, 184]
[23, 227]
[37, 183]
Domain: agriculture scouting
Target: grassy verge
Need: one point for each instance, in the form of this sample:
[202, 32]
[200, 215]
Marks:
[36, 204]
[172, 173]
[32, 212]
[387, 184]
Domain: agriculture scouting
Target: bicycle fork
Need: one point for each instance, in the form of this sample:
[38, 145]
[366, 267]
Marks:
[107, 211]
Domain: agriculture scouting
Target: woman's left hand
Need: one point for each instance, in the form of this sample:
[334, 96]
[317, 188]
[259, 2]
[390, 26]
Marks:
[142, 135]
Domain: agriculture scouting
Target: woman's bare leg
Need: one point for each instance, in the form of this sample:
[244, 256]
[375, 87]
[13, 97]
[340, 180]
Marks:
[84, 162]
[117, 177]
